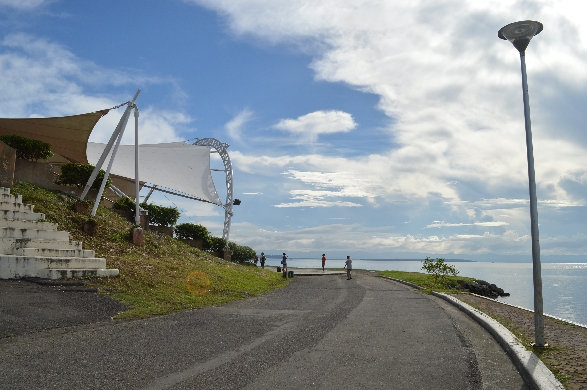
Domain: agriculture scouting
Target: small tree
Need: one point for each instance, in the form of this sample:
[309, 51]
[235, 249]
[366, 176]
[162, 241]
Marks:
[439, 269]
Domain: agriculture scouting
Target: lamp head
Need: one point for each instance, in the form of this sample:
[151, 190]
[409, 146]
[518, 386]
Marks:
[520, 33]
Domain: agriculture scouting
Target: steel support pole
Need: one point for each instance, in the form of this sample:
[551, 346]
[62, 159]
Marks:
[103, 185]
[119, 128]
[137, 201]
[537, 272]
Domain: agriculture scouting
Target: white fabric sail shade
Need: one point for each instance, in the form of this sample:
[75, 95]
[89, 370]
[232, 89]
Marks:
[178, 166]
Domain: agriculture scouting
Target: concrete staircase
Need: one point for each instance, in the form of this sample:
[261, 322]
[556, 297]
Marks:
[29, 248]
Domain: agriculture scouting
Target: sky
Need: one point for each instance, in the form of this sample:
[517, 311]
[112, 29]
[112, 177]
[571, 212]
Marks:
[372, 128]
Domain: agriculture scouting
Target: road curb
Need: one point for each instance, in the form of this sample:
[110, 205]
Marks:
[530, 366]
[534, 372]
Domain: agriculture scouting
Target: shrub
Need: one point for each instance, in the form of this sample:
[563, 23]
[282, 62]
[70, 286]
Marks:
[124, 203]
[78, 174]
[215, 244]
[439, 269]
[191, 231]
[26, 148]
[160, 215]
[241, 253]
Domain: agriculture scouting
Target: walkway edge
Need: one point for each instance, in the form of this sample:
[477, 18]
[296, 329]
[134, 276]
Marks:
[531, 367]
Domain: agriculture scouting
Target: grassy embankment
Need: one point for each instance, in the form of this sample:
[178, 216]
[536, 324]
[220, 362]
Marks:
[163, 275]
[427, 281]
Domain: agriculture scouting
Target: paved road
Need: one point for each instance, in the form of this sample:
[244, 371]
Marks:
[320, 332]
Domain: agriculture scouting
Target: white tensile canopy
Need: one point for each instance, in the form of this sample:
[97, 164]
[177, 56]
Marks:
[178, 166]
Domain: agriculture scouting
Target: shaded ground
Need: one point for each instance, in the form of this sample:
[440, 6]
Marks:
[28, 307]
[567, 357]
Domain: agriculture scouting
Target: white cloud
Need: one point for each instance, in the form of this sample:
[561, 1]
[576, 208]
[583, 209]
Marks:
[451, 84]
[24, 4]
[445, 224]
[155, 126]
[44, 79]
[308, 127]
[235, 126]
[350, 237]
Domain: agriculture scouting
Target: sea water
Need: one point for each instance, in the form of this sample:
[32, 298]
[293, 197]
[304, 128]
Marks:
[564, 285]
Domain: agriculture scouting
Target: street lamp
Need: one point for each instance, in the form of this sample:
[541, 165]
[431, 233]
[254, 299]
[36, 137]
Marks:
[520, 34]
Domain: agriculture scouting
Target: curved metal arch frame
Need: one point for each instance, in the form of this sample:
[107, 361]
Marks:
[221, 149]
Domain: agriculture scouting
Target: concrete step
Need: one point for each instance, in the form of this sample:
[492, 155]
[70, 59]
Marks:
[44, 252]
[13, 215]
[18, 224]
[76, 273]
[6, 232]
[56, 262]
[15, 206]
[29, 248]
[7, 197]
[11, 244]
[16, 267]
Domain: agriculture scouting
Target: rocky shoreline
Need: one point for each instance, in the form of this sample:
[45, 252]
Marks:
[483, 288]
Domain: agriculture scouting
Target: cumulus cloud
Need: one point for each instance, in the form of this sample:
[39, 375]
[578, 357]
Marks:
[445, 224]
[235, 126]
[455, 94]
[308, 127]
[452, 91]
[24, 4]
[354, 238]
[44, 79]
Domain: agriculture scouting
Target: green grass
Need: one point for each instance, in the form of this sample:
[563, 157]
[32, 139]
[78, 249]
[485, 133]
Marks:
[153, 277]
[427, 281]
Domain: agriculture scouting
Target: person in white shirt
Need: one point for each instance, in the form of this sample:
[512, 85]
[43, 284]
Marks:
[348, 264]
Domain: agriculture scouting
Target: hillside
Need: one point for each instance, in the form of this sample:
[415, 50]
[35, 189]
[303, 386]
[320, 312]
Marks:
[163, 275]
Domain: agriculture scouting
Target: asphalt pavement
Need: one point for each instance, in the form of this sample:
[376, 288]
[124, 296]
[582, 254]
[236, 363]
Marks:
[322, 332]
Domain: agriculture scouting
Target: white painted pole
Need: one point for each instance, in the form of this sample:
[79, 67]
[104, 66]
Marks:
[120, 127]
[137, 201]
[103, 185]
[537, 271]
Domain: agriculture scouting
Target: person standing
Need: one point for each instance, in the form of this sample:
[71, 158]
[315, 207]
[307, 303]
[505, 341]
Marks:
[263, 258]
[284, 263]
[323, 261]
[256, 259]
[348, 264]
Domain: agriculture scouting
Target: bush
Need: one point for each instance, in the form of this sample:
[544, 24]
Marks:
[241, 253]
[78, 174]
[26, 148]
[439, 269]
[191, 231]
[160, 215]
[215, 244]
[124, 203]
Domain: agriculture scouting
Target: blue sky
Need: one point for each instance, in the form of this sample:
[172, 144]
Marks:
[384, 130]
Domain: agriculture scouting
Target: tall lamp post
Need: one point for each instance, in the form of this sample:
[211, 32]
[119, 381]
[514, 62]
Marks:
[520, 34]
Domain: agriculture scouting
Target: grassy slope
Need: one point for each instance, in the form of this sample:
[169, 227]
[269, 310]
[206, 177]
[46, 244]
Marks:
[426, 280]
[159, 277]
